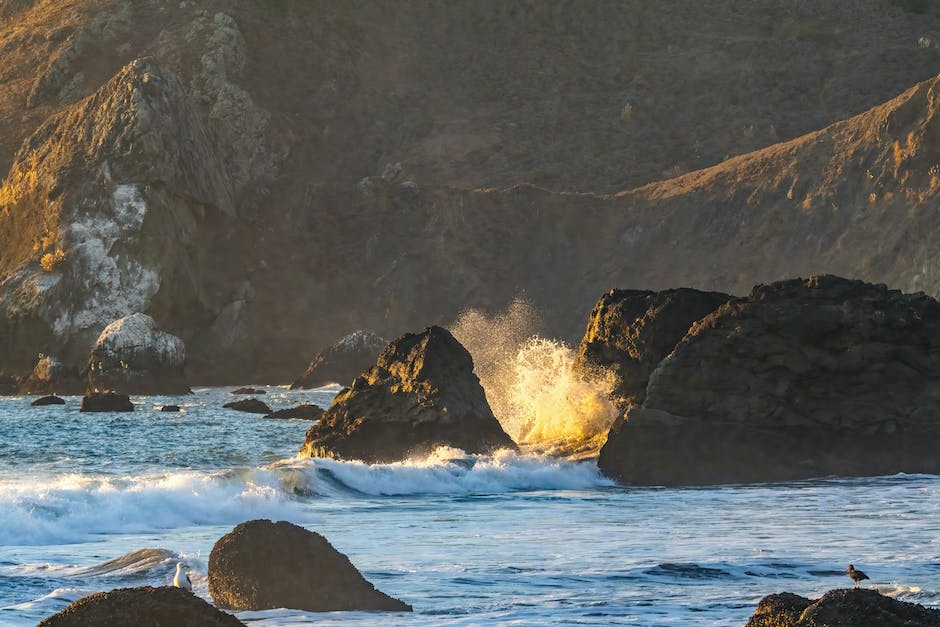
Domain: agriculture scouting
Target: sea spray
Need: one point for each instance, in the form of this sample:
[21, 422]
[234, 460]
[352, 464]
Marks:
[532, 383]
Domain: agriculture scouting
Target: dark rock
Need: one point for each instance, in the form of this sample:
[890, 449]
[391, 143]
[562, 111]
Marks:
[250, 405]
[9, 385]
[801, 379]
[845, 608]
[47, 400]
[107, 401]
[132, 357]
[262, 564]
[142, 607]
[300, 412]
[51, 376]
[422, 393]
[342, 362]
[170, 408]
[249, 391]
[631, 331]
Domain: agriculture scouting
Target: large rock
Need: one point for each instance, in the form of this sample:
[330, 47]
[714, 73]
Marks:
[250, 405]
[262, 564]
[47, 400]
[106, 401]
[421, 393]
[631, 331]
[51, 376]
[342, 362]
[132, 357]
[801, 379]
[845, 608]
[141, 607]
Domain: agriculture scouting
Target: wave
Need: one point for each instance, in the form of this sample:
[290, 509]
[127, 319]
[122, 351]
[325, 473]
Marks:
[73, 508]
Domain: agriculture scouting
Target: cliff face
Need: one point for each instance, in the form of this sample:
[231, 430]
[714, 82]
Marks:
[223, 166]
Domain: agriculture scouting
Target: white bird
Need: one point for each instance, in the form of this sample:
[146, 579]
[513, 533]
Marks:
[181, 580]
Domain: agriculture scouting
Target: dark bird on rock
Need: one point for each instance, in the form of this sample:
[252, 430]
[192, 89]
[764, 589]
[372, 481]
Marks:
[856, 575]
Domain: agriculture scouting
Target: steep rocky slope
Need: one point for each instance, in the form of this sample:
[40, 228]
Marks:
[221, 165]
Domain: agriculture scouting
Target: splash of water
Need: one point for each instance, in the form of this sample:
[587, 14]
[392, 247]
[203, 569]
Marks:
[540, 397]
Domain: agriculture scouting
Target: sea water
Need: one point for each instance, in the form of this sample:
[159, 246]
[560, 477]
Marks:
[92, 502]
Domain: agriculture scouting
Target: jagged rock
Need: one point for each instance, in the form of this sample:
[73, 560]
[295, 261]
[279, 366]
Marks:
[47, 400]
[250, 405]
[300, 412]
[51, 376]
[631, 331]
[108, 401]
[262, 564]
[133, 357]
[845, 608]
[421, 394]
[249, 391]
[342, 362]
[170, 408]
[144, 607]
[801, 379]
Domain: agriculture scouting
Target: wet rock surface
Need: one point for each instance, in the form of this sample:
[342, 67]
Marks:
[250, 405]
[48, 400]
[262, 564]
[106, 401]
[421, 393]
[845, 608]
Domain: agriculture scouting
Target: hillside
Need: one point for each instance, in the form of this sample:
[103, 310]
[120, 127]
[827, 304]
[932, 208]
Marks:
[225, 166]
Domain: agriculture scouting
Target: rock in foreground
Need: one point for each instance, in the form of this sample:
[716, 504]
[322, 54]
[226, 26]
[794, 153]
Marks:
[132, 357]
[801, 379]
[844, 608]
[262, 565]
[141, 607]
[108, 401]
[250, 405]
[421, 394]
[342, 362]
[300, 412]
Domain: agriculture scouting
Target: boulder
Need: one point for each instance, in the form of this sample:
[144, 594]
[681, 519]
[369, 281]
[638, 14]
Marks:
[802, 378]
[262, 565]
[845, 608]
[132, 357]
[51, 376]
[250, 405]
[142, 607]
[170, 408]
[631, 331]
[300, 412]
[47, 400]
[421, 393]
[342, 362]
[249, 391]
[106, 401]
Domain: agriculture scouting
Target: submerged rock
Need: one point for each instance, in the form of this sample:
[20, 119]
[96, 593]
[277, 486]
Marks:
[170, 408]
[47, 400]
[51, 376]
[249, 391]
[801, 379]
[422, 393]
[142, 607]
[250, 405]
[106, 401]
[845, 608]
[631, 331]
[300, 412]
[262, 565]
[132, 357]
[342, 362]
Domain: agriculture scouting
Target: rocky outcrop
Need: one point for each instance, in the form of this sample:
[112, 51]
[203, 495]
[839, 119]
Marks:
[845, 608]
[250, 405]
[803, 378]
[420, 394]
[262, 564]
[132, 357]
[51, 376]
[146, 606]
[631, 331]
[300, 412]
[248, 390]
[47, 400]
[108, 401]
[342, 362]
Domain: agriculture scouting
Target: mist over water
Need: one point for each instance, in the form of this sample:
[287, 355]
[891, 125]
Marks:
[532, 384]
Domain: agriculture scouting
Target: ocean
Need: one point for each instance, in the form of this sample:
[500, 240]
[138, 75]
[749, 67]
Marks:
[91, 502]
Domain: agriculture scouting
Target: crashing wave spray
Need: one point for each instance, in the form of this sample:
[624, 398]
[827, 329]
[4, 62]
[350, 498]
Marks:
[532, 384]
